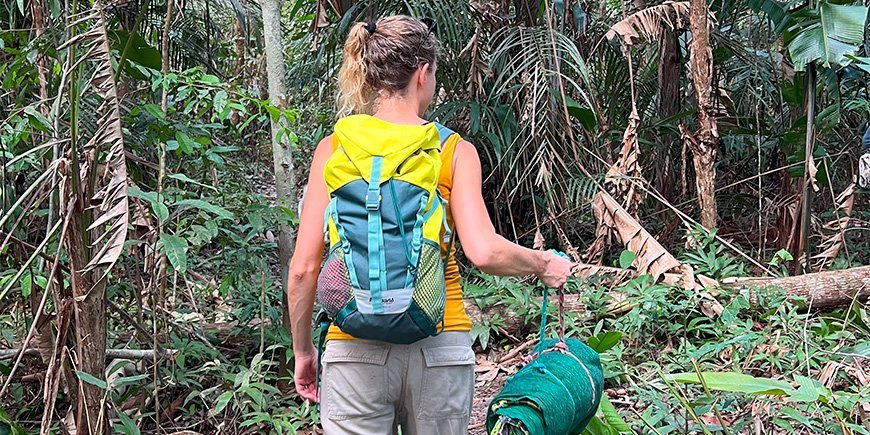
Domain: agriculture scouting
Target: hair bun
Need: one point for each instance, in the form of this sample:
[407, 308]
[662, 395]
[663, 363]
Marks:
[371, 27]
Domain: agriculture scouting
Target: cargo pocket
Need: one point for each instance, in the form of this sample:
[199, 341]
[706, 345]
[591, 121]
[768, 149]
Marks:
[354, 379]
[448, 383]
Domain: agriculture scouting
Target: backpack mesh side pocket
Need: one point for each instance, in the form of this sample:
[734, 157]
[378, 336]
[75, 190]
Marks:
[334, 289]
[429, 289]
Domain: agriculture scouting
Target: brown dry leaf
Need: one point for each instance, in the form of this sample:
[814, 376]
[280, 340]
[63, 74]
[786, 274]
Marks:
[710, 306]
[829, 373]
[647, 24]
[651, 256]
[812, 170]
[617, 184]
[837, 229]
[539, 240]
[857, 372]
[108, 203]
[479, 68]
[627, 166]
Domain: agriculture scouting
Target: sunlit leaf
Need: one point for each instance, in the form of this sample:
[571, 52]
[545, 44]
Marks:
[175, 249]
[827, 35]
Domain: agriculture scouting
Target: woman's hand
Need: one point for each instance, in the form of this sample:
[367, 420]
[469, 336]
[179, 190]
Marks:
[556, 270]
[305, 375]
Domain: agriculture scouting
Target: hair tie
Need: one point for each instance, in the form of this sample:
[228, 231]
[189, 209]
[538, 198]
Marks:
[371, 27]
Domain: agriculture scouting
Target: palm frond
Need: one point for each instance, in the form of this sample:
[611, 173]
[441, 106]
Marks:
[648, 24]
[101, 154]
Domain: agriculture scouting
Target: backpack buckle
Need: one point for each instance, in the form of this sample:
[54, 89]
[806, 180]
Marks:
[373, 200]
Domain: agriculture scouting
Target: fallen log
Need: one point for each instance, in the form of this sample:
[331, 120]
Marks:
[836, 288]
[133, 354]
[821, 290]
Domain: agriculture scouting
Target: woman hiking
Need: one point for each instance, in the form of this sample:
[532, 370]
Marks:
[390, 191]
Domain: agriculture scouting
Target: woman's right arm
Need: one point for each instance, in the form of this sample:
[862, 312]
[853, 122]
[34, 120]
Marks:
[303, 270]
[489, 251]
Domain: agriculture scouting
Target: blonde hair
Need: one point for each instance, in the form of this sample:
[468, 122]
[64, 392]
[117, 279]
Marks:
[380, 58]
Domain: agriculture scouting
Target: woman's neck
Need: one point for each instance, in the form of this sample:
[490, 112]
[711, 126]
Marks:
[398, 111]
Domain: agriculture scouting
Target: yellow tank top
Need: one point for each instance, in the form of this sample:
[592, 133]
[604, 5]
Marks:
[455, 318]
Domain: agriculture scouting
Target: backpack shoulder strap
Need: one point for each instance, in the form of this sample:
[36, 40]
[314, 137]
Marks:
[444, 133]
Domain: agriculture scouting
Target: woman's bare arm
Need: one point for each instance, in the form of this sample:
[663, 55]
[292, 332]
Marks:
[305, 264]
[489, 251]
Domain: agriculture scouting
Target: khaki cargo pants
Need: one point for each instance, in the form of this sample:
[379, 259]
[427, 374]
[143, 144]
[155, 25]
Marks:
[373, 388]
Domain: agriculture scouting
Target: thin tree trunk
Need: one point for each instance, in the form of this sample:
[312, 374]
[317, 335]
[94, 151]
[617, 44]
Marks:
[240, 63]
[668, 106]
[282, 151]
[802, 256]
[90, 323]
[707, 136]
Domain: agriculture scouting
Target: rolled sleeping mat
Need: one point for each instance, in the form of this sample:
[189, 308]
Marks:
[555, 394]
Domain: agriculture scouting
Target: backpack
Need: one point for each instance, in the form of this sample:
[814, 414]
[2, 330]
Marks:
[383, 278]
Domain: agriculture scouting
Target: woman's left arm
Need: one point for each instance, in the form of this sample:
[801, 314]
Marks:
[303, 271]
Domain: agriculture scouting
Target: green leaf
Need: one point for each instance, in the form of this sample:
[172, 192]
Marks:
[626, 258]
[613, 419]
[810, 390]
[26, 285]
[798, 417]
[222, 401]
[220, 101]
[598, 427]
[216, 210]
[604, 341]
[775, 11]
[185, 143]
[827, 35]
[581, 113]
[155, 111]
[210, 79]
[223, 149]
[21, 7]
[42, 122]
[157, 207]
[255, 394]
[139, 52]
[186, 179]
[129, 425]
[87, 377]
[862, 348]
[7, 426]
[175, 249]
[125, 380]
[736, 382]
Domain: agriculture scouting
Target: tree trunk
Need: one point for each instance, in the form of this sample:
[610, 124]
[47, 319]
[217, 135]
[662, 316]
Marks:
[282, 149]
[668, 106]
[90, 324]
[707, 136]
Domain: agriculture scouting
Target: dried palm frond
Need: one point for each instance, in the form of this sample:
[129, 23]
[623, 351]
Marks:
[103, 173]
[648, 24]
[479, 69]
[626, 166]
[837, 229]
[650, 256]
